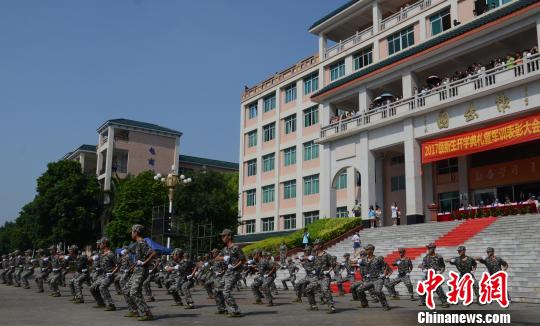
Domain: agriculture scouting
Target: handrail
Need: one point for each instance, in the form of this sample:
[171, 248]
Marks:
[403, 13]
[446, 92]
[355, 38]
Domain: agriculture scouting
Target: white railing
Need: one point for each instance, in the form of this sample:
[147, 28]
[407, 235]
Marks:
[406, 12]
[443, 94]
[349, 42]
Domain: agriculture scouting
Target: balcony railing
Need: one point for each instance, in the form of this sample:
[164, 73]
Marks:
[406, 12]
[442, 95]
[349, 42]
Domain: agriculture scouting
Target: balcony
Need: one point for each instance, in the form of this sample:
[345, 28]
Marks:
[406, 12]
[349, 42]
[445, 95]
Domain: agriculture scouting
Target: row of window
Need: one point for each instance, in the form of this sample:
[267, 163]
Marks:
[311, 117]
[311, 84]
[311, 187]
[311, 152]
[289, 222]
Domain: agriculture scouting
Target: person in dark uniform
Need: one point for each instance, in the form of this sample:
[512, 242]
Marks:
[344, 266]
[323, 266]
[493, 263]
[465, 264]
[376, 272]
[433, 261]
[404, 267]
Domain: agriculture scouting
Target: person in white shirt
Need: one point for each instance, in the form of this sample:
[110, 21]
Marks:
[356, 244]
[395, 213]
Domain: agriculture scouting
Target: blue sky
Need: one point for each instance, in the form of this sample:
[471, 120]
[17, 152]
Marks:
[68, 66]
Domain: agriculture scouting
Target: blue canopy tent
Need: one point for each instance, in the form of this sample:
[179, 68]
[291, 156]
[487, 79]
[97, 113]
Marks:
[154, 245]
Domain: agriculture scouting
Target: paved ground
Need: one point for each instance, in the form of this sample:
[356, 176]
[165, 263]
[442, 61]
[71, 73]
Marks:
[25, 307]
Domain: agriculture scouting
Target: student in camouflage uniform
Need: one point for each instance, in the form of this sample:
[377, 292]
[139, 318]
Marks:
[308, 265]
[376, 272]
[4, 269]
[233, 257]
[344, 266]
[28, 268]
[265, 277]
[465, 264]
[493, 263]
[356, 285]
[10, 269]
[133, 289]
[95, 263]
[19, 265]
[404, 267]
[292, 269]
[174, 276]
[152, 275]
[43, 270]
[320, 277]
[80, 264]
[433, 261]
[122, 276]
[283, 254]
[55, 275]
[100, 287]
[209, 280]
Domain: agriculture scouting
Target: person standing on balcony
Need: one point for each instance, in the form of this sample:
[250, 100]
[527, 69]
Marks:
[394, 210]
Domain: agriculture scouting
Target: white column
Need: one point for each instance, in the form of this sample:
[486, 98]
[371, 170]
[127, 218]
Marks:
[427, 177]
[423, 31]
[241, 229]
[322, 77]
[325, 180]
[324, 113]
[413, 170]
[377, 16]
[363, 99]
[108, 159]
[348, 65]
[375, 52]
[323, 45]
[366, 166]
[454, 11]
[407, 81]
[351, 189]
[81, 161]
[463, 176]
[177, 152]
[538, 30]
[379, 185]
[299, 93]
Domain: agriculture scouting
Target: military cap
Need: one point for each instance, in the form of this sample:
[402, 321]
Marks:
[369, 246]
[431, 245]
[490, 249]
[74, 248]
[40, 250]
[4, 256]
[53, 247]
[178, 252]
[98, 241]
[215, 251]
[317, 241]
[28, 251]
[16, 252]
[105, 241]
[461, 248]
[257, 252]
[137, 228]
[346, 254]
[226, 232]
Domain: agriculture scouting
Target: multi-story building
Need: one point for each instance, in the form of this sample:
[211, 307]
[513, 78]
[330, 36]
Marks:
[187, 164]
[86, 156]
[131, 147]
[434, 101]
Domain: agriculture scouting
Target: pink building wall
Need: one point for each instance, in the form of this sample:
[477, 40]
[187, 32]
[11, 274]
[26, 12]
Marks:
[314, 129]
[283, 138]
[311, 200]
[269, 144]
[311, 164]
[269, 115]
[286, 106]
[465, 11]
[383, 49]
[247, 210]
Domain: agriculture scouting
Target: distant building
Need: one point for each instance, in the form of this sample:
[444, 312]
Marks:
[188, 164]
[86, 156]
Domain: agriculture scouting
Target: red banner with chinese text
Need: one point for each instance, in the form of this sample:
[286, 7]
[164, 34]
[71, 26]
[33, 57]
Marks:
[500, 135]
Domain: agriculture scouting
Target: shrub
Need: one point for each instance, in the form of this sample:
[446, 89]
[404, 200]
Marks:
[325, 229]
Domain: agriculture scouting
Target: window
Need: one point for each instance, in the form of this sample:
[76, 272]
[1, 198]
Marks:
[252, 110]
[120, 161]
[268, 162]
[342, 211]
[310, 217]
[289, 156]
[251, 197]
[289, 189]
[363, 58]
[268, 194]
[289, 221]
[267, 224]
[341, 182]
[337, 70]
[290, 124]
[400, 40]
[397, 160]
[250, 226]
[290, 93]
[449, 201]
[397, 183]
[311, 151]
[269, 132]
[252, 167]
[269, 103]
[252, 138]
[311, 83]
[447, 166]
[311, 116]
[311, 185]
[440, 22]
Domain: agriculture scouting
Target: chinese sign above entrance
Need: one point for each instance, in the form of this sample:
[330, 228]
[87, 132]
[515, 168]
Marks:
[507, 173]
[500, 135]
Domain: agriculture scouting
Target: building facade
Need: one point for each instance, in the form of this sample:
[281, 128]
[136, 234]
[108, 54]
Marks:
[86, 156]
[412, 103]
[187, 164]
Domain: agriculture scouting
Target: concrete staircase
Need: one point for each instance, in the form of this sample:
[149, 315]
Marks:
[515, 238]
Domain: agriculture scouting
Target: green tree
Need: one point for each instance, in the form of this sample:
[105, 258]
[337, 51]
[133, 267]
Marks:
[134, 199]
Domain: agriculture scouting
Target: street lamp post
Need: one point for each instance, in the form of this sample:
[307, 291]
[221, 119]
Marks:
[172, 181]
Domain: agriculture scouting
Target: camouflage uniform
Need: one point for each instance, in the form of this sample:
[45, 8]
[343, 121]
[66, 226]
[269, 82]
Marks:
[218, 269]
[44, 268]
[96, 267]
[122, 277]
[4, 269]
[152, 273]
[292, 269]
[81, 275]
[300, 286]
[100, 287]
[283, 255]
[55, 276]
[374, 279]
[404, 267]
[435, 262]
[28, 269]
[263, 281]
[19, 266]
[493, 264]
[10, 269]
[345, 266]
[133, 288]
[465, 266]
[319, 280]
[230, 277]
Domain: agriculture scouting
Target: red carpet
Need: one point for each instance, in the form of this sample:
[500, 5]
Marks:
[455, 237]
